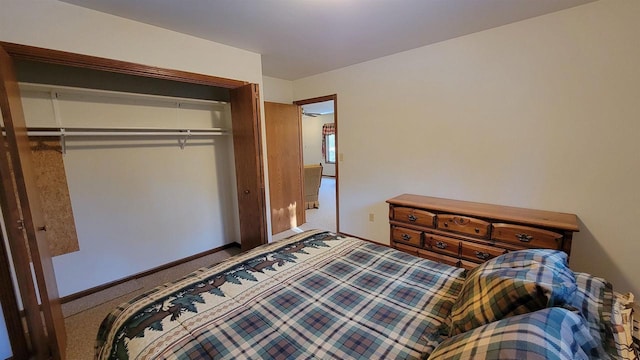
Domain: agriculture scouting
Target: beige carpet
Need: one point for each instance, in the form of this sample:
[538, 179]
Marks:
[100, 297]
[86, 314]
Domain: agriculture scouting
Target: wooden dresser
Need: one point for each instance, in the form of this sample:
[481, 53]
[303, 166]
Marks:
[465, 234]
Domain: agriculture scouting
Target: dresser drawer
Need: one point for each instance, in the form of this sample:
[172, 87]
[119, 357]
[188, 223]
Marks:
[442, 244]
[438, 257]
[478, 252]
[406, 248]
[414, 216]
[464, 225]
[526, 236]
[467, 264]
[407, 236]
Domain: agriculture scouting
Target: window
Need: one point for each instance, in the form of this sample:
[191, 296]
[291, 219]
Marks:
[329, 143]
[330, 157]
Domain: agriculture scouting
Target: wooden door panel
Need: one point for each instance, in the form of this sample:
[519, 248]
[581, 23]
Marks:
[284, 155]
[31, 213]
[247, 147]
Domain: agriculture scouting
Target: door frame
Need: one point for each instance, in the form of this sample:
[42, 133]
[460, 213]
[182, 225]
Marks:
[318, 99]
[251, 195]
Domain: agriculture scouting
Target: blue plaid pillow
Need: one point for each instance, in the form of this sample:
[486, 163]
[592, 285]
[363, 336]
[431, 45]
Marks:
[553, 333]
[596, 302]
[515, 283]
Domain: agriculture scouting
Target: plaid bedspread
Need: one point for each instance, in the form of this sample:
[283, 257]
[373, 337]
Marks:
[314, 295]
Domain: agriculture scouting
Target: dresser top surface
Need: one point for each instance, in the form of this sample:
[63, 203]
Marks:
[535, 217]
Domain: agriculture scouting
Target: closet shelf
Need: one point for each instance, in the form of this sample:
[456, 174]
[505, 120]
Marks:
[59, 89]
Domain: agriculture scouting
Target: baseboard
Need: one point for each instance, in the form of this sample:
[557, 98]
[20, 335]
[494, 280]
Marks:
[367, 240]
[74, 296]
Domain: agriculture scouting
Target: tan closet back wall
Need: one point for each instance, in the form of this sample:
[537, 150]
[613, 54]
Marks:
[134, 198]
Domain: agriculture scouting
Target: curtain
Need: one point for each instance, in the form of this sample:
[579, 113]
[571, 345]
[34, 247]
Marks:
[327, 129]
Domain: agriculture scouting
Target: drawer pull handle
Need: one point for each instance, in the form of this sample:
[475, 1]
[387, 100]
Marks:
[446, 225]
[412, 218]
[482, 255]
[477, 230]
[461, 221]
[524, 237]
[441, 245]
[406, 237]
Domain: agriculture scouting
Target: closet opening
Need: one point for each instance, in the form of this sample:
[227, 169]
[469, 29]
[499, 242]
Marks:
[49, 89]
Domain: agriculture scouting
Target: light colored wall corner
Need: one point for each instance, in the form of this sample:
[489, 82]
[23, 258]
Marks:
[61, 26]
[277, 90]
[541, 113]
[312, 142]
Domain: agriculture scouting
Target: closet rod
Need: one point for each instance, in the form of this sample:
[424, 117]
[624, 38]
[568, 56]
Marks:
[63, 134]
[125, 133]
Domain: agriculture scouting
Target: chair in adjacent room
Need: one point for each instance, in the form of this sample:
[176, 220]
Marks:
[312, 180]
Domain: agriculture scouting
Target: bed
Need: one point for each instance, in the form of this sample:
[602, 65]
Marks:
[325, 296]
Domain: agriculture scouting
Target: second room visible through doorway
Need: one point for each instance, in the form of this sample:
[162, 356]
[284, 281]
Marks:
[319, 149]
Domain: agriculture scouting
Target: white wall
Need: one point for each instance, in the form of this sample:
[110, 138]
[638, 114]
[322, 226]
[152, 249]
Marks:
[541, 113]
[277, 90]
[139, 204]
[61, 26]
[312, 142]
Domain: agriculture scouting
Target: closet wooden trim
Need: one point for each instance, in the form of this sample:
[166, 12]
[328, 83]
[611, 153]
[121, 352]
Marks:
[247, 147]
[30, 53]
[14, 221]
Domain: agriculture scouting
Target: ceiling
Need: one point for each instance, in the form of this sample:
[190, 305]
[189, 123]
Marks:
[300, 38]
[321, 108]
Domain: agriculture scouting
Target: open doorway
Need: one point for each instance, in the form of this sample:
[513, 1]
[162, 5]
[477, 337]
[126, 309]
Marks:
[320, 158]
[291, 142]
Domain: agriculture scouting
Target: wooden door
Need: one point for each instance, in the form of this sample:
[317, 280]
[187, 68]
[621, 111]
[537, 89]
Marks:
[247, 147]
[284, 158]
[28, 219]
